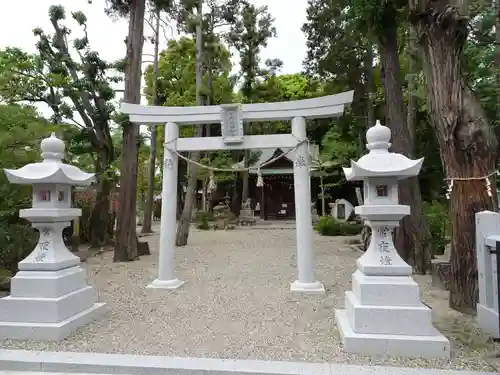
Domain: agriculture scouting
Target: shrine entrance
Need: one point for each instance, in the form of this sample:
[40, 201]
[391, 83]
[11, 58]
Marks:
[231, 117]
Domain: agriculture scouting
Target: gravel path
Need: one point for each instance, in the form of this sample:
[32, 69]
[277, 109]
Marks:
[236, 304]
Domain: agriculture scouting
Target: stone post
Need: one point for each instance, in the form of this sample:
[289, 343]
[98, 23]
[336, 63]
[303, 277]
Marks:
[166, 263]
[306, 281]
[487, 225]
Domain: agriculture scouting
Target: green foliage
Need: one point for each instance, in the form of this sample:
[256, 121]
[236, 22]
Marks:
[337, 148]
[328, 226]
[177, 75]
[21, 130]
[84, 227]
[479, 62]
[218, 159]
[18, 240]
[157, 209]
[439, 225]
[65, 84]
[177, 87]
[249, 33]
[202, 219]
[122, 7]
[374, 15]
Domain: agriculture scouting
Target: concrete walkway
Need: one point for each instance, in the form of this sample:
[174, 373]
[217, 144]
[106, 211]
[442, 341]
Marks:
[21, 362]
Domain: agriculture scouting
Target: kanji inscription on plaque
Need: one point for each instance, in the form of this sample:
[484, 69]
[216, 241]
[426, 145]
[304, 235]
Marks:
[232, 123]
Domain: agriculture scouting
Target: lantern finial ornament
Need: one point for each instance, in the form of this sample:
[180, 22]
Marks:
[378, 137]
[52, 148]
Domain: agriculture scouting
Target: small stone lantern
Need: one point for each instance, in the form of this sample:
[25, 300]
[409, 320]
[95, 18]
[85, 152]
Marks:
[49, 296]
[383, 314]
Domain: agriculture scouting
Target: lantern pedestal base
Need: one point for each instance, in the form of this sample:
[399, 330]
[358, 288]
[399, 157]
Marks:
[50, 331]
[48, 305]
[429, 347]
[384, 316]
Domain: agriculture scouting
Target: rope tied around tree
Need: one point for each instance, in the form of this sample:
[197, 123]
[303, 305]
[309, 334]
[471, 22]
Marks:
[260, 180]
[451, 180]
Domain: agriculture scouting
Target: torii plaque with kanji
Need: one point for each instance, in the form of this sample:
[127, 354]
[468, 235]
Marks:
[232, 123]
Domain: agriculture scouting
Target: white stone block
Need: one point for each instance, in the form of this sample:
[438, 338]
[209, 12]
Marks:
[385, 290]
[488, 320]
[16, 330]
[388, 212]
[309, 288]
[436, 346]
[45, 310]
[393, 320]
[47, 284]
[369, 264]
[487, 235]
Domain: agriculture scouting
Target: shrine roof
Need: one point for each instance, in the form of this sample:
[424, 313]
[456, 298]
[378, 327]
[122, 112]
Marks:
[268, 153]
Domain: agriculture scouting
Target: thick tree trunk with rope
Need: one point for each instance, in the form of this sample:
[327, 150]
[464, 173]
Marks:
[190, 200]
[466, 141]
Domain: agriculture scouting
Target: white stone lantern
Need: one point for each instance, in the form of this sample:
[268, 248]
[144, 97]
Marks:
[49, 296]
[383, 314]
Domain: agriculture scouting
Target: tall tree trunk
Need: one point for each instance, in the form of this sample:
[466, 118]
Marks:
[370, 121]
[323, 202]
[467, 143]
[207, 194]
[185, 219]
[100, 215]
[497, 58]
[126, 235]
[148, 209]
[423, 247]
[413, 234]
[368, 68]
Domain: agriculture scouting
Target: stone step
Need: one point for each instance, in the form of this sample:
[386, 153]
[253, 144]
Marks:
[391, 320]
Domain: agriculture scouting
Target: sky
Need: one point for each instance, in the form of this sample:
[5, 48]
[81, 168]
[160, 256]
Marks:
[20, 17]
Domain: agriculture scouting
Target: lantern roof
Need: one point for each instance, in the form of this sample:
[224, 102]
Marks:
[379, 162]
[51, 170]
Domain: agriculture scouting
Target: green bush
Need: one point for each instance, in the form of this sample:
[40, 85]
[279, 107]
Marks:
[157, 210]
[202, 218]
[439, 224]
[18, 241]
[204, 215]
[84, 220]
[328, 226]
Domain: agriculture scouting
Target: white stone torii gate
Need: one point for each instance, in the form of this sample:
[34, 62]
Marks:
[231, 117]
